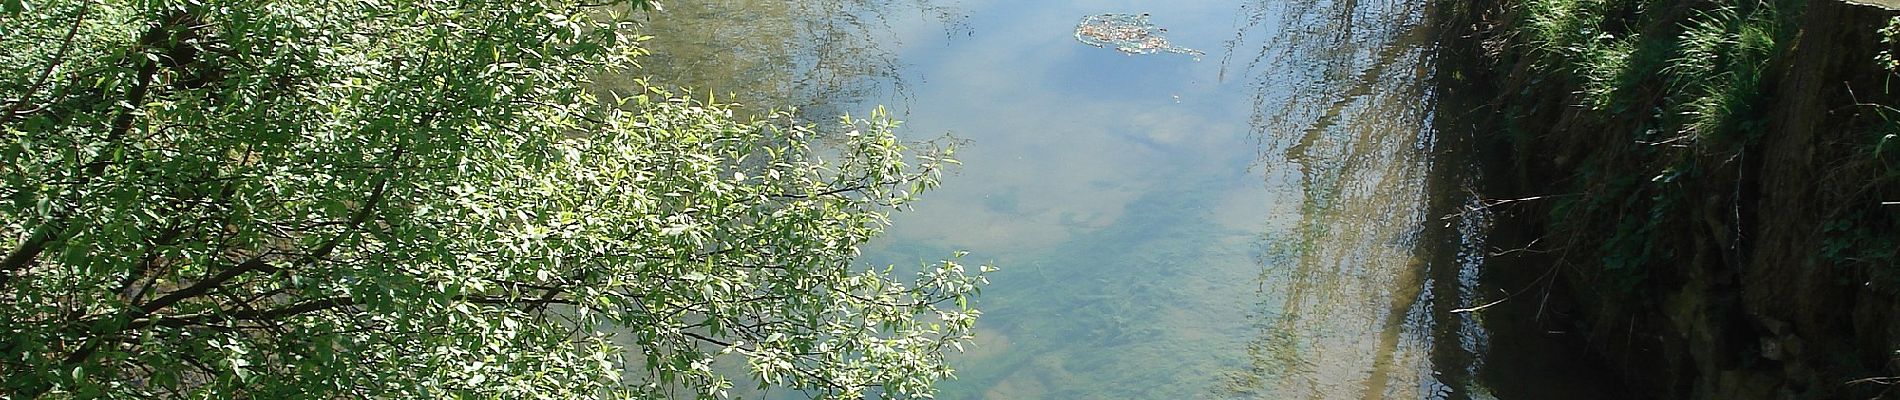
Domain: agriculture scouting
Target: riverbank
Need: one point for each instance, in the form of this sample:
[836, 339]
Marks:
[1693, 190]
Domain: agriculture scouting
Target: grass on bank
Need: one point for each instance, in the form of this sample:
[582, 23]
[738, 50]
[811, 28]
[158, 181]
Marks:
[1710, 67]
[1687, 82]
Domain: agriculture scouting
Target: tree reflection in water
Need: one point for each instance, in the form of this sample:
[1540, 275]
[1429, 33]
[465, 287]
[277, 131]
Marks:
[820, 56]
[1361, 278]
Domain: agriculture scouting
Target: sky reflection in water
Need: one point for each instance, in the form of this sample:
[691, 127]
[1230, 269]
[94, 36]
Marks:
[1246, 226]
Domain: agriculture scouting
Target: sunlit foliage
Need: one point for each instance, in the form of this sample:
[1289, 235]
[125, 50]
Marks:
[419, 199]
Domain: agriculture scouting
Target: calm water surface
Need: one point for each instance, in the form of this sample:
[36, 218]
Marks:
[1269, 221]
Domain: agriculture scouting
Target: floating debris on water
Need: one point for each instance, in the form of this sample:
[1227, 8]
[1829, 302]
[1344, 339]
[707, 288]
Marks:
[1128, 33]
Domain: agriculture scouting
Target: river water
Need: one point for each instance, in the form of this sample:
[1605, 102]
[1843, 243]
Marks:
[1280, 218]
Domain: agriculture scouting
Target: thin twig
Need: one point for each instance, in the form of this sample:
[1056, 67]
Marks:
[1526, 249]
[1547, 274]
[1881, 380]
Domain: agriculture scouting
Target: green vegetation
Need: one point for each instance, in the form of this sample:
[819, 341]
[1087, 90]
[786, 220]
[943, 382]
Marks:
[399, 199]
[1720, 68]
[1680, 88]
[1718, 184]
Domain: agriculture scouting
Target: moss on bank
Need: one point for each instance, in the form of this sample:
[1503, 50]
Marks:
[1715, 184]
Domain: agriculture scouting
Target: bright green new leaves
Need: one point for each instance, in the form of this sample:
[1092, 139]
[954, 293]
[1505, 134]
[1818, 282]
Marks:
[421, 199]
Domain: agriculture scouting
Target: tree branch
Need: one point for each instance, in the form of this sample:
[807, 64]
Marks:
[267, 315]
[329, 303]
[59, 57]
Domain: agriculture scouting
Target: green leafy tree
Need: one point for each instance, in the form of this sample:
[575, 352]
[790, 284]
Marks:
[390, 199]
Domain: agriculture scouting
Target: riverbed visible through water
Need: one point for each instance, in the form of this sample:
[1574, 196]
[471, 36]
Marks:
[1278, 218]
